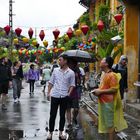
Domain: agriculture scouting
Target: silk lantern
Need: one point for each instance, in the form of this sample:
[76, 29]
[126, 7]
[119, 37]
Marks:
[56, 33]
[84, 29]
[18, 31]
[78, 32]
[100, 25]
[25, 40]
[118, 18]
[70, 33]
[45, 43]
[7, 29]
[15, 41]
[30, 32]
[42, 35]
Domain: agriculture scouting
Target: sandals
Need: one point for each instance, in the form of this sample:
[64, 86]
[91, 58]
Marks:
[49, 137]
[62, 137]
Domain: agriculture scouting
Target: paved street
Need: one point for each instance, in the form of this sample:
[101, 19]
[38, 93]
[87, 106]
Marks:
[28, 119]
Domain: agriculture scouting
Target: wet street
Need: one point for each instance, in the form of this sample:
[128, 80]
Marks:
[28, 119]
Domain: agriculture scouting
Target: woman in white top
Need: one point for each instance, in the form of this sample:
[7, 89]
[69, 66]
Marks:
[46, 74]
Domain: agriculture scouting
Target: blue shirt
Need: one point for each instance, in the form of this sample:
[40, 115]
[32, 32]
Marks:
[61, 81]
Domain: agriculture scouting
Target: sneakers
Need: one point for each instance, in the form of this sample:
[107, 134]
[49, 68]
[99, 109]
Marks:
[15, 100]
[49, 137]
[3, 107]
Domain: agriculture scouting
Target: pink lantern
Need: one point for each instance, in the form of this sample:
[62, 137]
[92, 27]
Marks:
[42, 35]
[56, 33]
[30, 32]
[70, 33]
[84, 29]
[18, 31]
[100, 25]
[118, 18]
[7, 29]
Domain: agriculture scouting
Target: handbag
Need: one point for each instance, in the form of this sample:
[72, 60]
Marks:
[43, 82]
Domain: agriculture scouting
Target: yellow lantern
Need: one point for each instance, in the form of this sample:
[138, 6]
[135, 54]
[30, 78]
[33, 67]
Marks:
[45, 43]
[78, 32]
[15, 41]
[66, 37]
[93, 44]
[25, 40]
[63, 48]
[34, 42]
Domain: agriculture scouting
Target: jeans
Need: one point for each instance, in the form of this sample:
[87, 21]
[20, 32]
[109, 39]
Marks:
[31, 83]
[16, 88]
[55, 102]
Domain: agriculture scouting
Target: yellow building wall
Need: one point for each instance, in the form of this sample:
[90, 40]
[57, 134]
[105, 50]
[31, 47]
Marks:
[130, 40]
[131, 47]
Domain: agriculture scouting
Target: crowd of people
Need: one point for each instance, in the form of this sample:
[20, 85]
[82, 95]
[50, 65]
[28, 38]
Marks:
[65, 81]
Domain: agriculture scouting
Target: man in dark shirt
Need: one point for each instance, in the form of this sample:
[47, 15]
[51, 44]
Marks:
[5, 78]
[121, 68]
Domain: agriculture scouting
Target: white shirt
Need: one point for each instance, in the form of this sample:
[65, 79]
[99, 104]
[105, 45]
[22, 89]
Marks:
[61, 81]
[82, 71]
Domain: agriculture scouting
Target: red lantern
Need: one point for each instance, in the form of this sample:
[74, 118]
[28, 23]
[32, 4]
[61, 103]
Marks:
[42, 35]
[7, 29]
[18, 31]
[30, 32]
[118, 18]
[84, 29]
[100, 25]
[70, 33]
[56, 33]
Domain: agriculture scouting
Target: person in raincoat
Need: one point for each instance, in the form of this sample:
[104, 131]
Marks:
[110, 110]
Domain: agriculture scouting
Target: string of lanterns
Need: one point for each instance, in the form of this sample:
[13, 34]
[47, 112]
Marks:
[84, 29]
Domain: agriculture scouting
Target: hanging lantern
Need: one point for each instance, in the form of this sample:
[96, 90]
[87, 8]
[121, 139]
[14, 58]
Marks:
[78, 32]
[5, 50]
[15, 41]
[25, 40]
[118, 18]
[63, 48]
[66, 37]
[56, 33]
[42, 35]
[45, 43]
[100, 25]
[7, 29]
[84, 29]
[30, 32]
[34, 42]
[18, 31]
[70, 33]
[14, 51]
[27, 53]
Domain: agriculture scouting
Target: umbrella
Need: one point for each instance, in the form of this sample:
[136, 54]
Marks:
[78, 55]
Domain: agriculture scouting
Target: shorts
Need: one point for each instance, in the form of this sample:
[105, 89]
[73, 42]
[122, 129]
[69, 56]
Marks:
[4, 87]
[73, 103]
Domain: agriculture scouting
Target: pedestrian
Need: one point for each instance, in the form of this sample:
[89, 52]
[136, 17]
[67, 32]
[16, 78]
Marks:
[46, 74]
[121, 68]
[74, 97]
[111, 118]
[59, 88]
[32, 77]
[55, 65]
[17, 75]
[5, 81]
